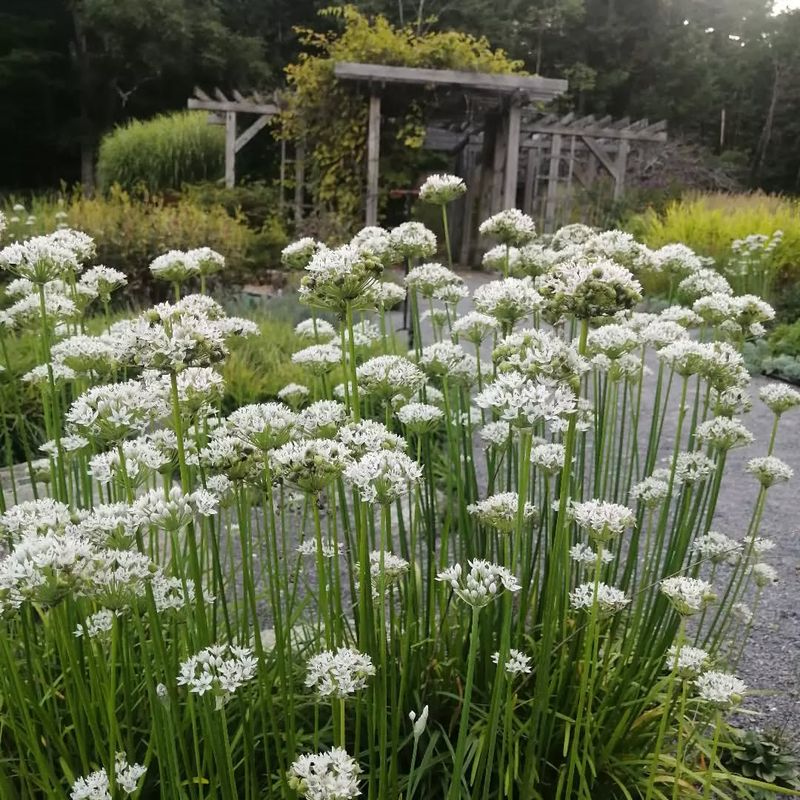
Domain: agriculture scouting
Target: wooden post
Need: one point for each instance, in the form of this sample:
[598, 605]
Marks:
[530, 167]
[373, 158]
[512, 157]
[299, 180]
[230, 148]
[552, 183]
[622, 165]
[498, 167]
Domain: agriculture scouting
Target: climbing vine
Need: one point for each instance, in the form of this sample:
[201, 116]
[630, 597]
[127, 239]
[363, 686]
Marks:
[331, 116]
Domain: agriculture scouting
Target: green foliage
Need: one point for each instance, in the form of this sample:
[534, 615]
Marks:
[162, 153]
[333, 118]
[778, 355]
[767, 757]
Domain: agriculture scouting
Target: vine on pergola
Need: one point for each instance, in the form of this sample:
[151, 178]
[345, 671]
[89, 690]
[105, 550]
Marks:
[332, 118]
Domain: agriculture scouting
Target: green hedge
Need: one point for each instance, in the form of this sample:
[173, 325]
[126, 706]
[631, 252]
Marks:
[162, 153]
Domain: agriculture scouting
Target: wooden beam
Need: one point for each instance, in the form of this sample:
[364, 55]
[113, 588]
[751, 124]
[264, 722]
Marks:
[531, 86]
[250, 132]
[512, 157]
[622, 165]
[232, 105]
[230, 148]
[597, 132]
[597, 152]
[552, 183]
[373, 158]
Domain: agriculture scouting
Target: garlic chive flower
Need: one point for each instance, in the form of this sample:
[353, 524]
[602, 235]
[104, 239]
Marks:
[509, 227]
[385, 570]
[687, 595]
[206, 260]
[481, 584]
[294, 394]
[318, 329]
[687, 661]
[676, 259]
[441, 189]
[419, 723]
[297, 255]
[384, 476]
[779, 398]
[508, 300]
[769, 470]
[175, 266]
[693, 467]
[427, 278]
[517, 663]
[717, 548]
[608, 599]
[340, 278]
[309, 464]
[387, 295]
[585, 555]
[33, 517]
[339, 673]
[385, 377]
[721, 689]
[538, 353]
[420, 417]
[724, 433]
[220, 670]
[368, 436]
[474, 326]
[264, 425]
[325, 776]
[650, 492]
[319, 359]
[549, 457]
[96, 785]
[322, 419]
[702, 283]
[764, 574]
[500, 511]
[602, 520]
[496, 258]
[413, 240]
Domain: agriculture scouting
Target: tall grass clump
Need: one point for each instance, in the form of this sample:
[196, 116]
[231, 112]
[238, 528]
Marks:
[162, 153]
[484, 567]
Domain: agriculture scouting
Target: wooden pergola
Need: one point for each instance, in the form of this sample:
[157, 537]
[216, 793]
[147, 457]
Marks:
[500, 97]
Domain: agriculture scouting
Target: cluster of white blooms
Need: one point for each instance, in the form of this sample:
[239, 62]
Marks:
[724, 433]
[177, 266]
[650, 492]
[717, 547]
[516, 664]
[96, 785]
[383, 476]
[549, 457]
[325, 776]
[174, 511]
[413, 240]
[375, 241]
[220, 669]
[385, 377]
[322, 420]
[89, 354]
[620, 247]
[524, 401]
[742, 612]
[687, 595]
[34, 517]
[481, 584]
[717, 362]
[608, 599]
[676, 259]
[339, 673]
[574, 234]
[583, 554]
[317, 329]
[602, 520]
[319, 359]
[107, 525]
[46, 258]
[427, 278]
[686, 661]
[769, 470]
[365, 333]
[779, 398]
[694, 466]
[451, 295]
[449, 360]
[103, 280]
[510, 227]
[501, 511]
[420, 417]
[294, 394]
[720, 688]
[118, 579]
[97, 624]
[538, 353]
[385, 570]
[764, 574]
[368, 436]
[508, 301]
[474, 326]
[141, 459]
[440, 189]
[264, 425]
[503, 258]
[42, 374]
[297, 255]
[387, 294]
[309, 464]
[340, 278]
[701, 283]
[58, 308]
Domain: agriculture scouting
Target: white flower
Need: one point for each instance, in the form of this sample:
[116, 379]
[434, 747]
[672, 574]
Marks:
[701, 283]
[440, 189]
[496, 434]
[662, 332]
[340, 278]
[33, 517]
[508, 300]
[385, 569]
[500, 511]
[724, 433]
[103, 280]
[325, 776]
[420, 417]
[174, 511]
[717, 547]
[510, 226]
[611, 341]
[413, 240]
[769, 470]
[206, 260]
[609, 599]
[692, 467]
[482, 584]
[743, 613]
[497, 257]
[676, 259]
[297, 255]
[539, 353]
[524, 401]
[687, 661]
[387, 294]
[764, 574]
[779, 398]
[220, 670]
[96, 785]
[426, 278]
[294, 394]
[517, 664]
[317, 329]
[97, 624]
[388, 376]
[368, 436]
[620, 247]
[365, 333]
[141, 458]
[339, 673]
[322, 420]
[174, 266]
[602, 520]
[329, 548]
[720, 688]
[264, 425]
[419, 724]
[583, 554]
[548, 457]
[39, 259]
[651, 491]
[309, 464]
[683, 316]
[687, 595]
[474, 326]
[383, 476]
[318, 358]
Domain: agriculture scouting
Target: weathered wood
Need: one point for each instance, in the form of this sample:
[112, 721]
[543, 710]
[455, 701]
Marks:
[232, 105]
[597, 132]
[512, 157]
[230, 148]
[530, 173]
[552, 183]
[622, 166]
[373, 158]
[533, 87]
[498, 165]
[250, 132]
[600, 155]
[299, 180]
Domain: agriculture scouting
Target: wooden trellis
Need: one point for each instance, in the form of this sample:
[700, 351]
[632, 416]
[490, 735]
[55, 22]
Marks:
[223, 111]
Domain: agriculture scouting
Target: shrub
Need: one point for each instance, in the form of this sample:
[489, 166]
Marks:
[161, 153]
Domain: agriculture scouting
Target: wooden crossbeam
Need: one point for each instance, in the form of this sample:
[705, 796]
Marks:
[596, 131]
[233, 105]
[250, 132]
[600, 155]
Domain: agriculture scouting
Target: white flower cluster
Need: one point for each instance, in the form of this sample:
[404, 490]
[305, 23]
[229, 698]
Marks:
[516, 664]
[687, 595]
[481, 584]
[413, 240]
[325, 776]
[220, 669]
[420, 417]
[96, 785]
[717, 547]
[687, 661]
[602, 520]
[297, 255]
[385, 377]
[500, 511]
[176, 266]
[508, 301]
[779, 398]
[383, 476]
[511, 227]
[440, 189]
[769, 470]
[608, 599]
[339, 673]
[721, 689]
[427, 278]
